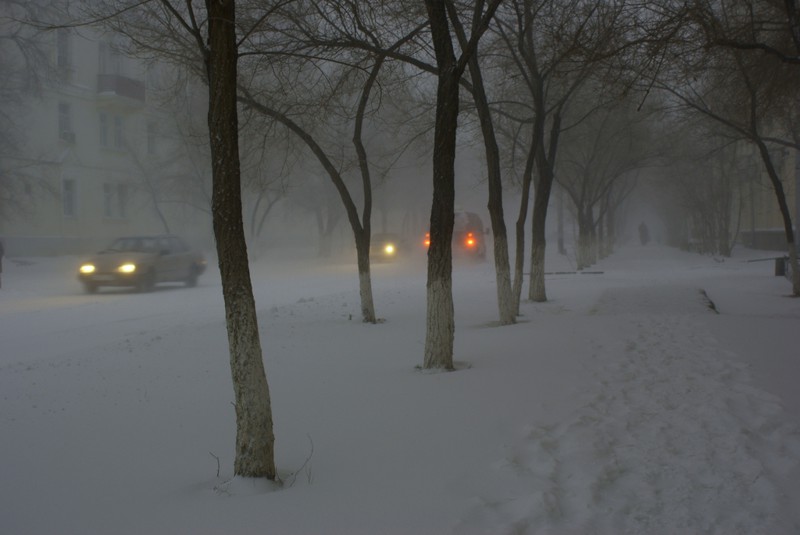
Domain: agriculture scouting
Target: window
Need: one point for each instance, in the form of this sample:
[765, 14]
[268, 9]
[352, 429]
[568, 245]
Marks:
[103, 129]
[108, 200]
[111, 129]
[119, 141]
[65, 122]
[122, 199]
[164, 246]
[177, 245]
[152, 133]
[69, 197]
[110, 59]
[63, 49]
[115, 200]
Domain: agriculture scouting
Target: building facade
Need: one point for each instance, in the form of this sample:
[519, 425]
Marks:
[100, 157]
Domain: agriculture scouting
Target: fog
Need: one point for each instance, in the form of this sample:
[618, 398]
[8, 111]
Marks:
[653, 391]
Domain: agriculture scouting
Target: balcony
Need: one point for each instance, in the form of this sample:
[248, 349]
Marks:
[118, 90]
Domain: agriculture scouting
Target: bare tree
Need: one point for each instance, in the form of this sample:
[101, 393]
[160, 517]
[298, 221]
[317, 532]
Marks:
[342, 92]
[758, 28]
[506, 305]
[555, 48]
[205, 37]
[598, 153]
[440, 325]
[745, 94]
[161, 162]
[315, 194]
[705, 184]
[363, 36]
[269, 159]
[178, 165]
[360, 224]
[255, 450]
[770, 27]
[614, 200]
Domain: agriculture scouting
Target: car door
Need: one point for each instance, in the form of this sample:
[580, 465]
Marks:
[166, 260]
[183, 258]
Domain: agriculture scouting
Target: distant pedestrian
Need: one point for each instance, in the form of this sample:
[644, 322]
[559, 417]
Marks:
[644, 234]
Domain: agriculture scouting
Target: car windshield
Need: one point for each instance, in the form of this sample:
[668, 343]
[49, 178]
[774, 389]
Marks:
[134, 245]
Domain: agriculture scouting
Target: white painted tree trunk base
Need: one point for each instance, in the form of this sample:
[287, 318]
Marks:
[440, 329]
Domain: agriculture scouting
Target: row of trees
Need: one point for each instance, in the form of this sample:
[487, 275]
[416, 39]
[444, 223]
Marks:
[557, 92]
[748, 55]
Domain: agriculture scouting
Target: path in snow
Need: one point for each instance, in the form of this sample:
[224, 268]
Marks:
[674, 439]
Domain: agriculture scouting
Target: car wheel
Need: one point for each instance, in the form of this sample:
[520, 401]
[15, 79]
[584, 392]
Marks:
[147, 282]
[191, 280]
[90, 287]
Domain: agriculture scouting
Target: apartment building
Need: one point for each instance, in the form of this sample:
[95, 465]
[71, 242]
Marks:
[100, 156]
[760, 221]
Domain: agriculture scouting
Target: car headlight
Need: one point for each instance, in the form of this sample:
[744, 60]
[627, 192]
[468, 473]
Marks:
[87, 268]
[127, 268]
[388, 249]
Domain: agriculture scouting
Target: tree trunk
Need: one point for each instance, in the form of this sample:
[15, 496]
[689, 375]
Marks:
[592, 249]
[545, 157]
[502, 268]
[562, 250]
[780, 194]
[584, 239]
[364, 278]
[611, 229]
[537, 292]
[601, 238]
[440, 325]
[254, 434]
[541, 201]
[363, 232]
[519, 257]
[795, 272]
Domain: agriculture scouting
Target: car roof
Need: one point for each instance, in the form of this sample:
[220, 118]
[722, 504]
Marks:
[468, 220]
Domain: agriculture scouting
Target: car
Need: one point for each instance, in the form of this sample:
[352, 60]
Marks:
[386, 247]
[468, 236]
[141, 262]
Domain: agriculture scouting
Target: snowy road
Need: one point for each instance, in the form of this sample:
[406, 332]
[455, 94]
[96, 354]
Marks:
[623, 405]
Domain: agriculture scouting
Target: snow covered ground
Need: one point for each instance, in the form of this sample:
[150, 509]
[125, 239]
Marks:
[624, 405]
